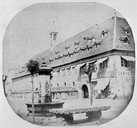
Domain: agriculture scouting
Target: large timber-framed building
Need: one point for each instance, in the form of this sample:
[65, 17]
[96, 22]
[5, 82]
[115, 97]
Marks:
[107, 47]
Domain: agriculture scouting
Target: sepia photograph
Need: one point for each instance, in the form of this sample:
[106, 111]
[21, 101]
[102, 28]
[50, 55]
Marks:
[68, 64]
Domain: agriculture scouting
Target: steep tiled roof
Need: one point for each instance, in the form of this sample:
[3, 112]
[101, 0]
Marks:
[124, 36]
[95, 40]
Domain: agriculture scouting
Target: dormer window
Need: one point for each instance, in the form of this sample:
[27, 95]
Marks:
[42, 58]
[126, 30]
[83, 47]
[84, 38]
[125, 34]
[93, 40]
[56, 58]
[43, 62]
[88, 38]
[56, 52]
[65, 54]
[50, 60]
[58, 70]
[76, 43]
[124, 39]
[104, 34]
[67, 47]
[76, 50]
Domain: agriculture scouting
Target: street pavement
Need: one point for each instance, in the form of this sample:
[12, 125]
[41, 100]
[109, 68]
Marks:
[117, 106]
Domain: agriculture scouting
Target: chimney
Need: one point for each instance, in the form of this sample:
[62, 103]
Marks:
[53, 37]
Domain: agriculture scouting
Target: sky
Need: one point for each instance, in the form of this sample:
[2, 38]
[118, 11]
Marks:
[27, 34]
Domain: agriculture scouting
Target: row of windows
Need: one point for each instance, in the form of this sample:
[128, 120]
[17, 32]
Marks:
[124, 63]
[103, 65]
[128, 64]
[65, 84]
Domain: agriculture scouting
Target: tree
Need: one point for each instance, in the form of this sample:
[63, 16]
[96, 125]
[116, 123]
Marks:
[33, 68]
[106, 92]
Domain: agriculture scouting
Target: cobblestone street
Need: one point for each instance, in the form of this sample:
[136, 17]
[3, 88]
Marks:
[116, 106]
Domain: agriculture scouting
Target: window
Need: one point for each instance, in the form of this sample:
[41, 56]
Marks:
[76, 43]
[104, 34]
[50, 60]
[132, 64]
[56, 52]
[65, 83]
[126, 63]
[63, 72]
[89, 38]
[67, 47]
[125, 39]
[126, 30]
[104, 64]
[93, 40]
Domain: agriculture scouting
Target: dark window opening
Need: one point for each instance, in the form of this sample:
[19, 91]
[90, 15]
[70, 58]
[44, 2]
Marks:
[104, 64]
[124, 39]
[104, 34]
[126, 63]
[85, 91]
[65, 83]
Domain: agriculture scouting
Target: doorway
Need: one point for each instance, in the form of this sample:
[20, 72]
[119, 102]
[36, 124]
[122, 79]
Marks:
[85, 91]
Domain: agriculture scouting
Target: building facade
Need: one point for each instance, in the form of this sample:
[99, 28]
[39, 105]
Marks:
[98, 62]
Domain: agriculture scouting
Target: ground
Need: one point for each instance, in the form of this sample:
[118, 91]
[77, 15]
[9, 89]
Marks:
[117, 106]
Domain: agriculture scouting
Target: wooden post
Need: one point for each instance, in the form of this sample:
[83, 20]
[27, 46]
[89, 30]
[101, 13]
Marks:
[90, 70]
[33, 109]
[91, 87]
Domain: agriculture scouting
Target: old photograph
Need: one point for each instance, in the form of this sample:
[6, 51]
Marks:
[68, 64]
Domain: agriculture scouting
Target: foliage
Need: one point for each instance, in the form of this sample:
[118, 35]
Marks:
[106, 92]
[33, 66]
